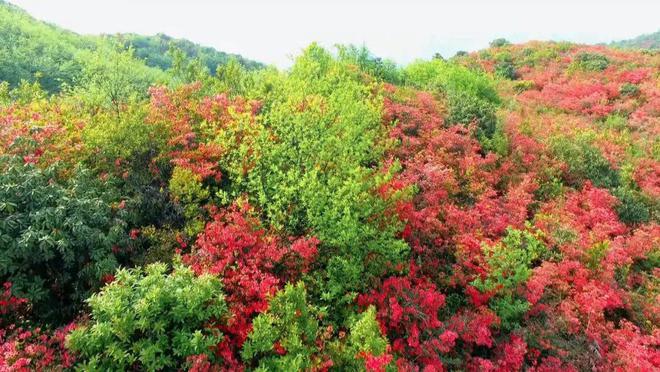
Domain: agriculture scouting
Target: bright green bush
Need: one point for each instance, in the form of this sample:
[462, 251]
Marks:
[187, 190]
[318, 170]
[150, 320]
[56, 236]
[284, 337]
[364, 338]
[510, 263]
[471, 95]
[111, 78]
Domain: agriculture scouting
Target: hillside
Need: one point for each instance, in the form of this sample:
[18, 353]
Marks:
[154, 51]
[496, 211]
[647, 41]
[32, 49]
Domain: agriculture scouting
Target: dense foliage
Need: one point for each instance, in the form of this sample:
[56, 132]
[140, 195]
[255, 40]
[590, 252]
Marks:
[58, 59]
[150, 319]
[497, 211]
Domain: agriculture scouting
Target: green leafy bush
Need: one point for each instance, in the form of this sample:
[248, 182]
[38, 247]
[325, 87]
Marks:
[289, 337]
[585, 162]
[591, 61]
[504, 66]
[284, 337]
[56, 236]
[318, 170]
[150, 320]
[499, 43]
[471, 95]
[630, 90]
[510, 263]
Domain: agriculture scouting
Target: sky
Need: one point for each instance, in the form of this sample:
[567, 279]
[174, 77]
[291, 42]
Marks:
[274, 31]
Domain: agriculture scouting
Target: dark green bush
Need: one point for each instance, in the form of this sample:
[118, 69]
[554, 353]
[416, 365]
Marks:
[585, 162]
[465, 108]
[629, 90]
[499, 43]
[591, 61]
[56, 236]
[633, 207]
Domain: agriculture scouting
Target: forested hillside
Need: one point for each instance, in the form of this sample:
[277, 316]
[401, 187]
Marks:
[648, 41]
[32, 50]
[156, 51]
[498, 211]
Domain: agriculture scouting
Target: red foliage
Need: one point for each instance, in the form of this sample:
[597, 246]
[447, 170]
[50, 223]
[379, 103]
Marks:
[24, 349]
[407, 309]
[253, 266]
[192, 122]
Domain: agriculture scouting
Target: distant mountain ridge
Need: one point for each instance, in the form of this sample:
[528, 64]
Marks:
[154, 51]
[646, 41]
[31, 50]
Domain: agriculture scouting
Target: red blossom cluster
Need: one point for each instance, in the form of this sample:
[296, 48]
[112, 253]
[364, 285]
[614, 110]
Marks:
[253, 265]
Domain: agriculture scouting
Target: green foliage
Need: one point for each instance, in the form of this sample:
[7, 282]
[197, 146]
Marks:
[630, 90]
[112, 78]
[56, 235]
[646, 41]
[318, 169]
[151, 320]
[450, 78]
[286, 337]
[153, 51]
[499, 43]
[364, 338]
[633, 206]
[591, 61]
[504, 66]
[35, 51]
[465, 108]
[290, 323]
[471, 95]
[523, 86]
[374, 66]
[510, 262]
[585, 162]
[187, 189]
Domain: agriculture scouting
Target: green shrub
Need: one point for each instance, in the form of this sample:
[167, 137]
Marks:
[465, 108]
[585, 162]
[56, 236]
[150, 320]
[318, 170]
[499, 43]
[629, 90]
[633, 206]
[504, 67]
[284, 337]
[523, 85]
[510, 262]
[591, 61]
[471, 95]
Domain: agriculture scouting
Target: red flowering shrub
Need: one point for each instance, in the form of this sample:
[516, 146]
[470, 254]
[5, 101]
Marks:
[407, 309]
[253, 266]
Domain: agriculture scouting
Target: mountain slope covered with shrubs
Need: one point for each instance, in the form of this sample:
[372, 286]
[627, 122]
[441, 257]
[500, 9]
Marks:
[498, 211]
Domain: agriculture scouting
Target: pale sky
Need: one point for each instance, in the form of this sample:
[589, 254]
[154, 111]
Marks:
[274, 31]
